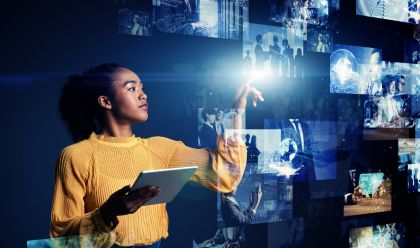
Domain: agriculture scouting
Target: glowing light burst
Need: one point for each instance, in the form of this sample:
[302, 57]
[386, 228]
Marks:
[283, 169]
[257, 75]
[343, 70]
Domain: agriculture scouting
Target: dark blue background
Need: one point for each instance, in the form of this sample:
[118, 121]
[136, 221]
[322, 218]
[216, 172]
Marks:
[44, 41]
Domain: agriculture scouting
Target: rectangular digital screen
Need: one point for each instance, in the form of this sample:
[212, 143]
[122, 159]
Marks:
[134, 22]
[370, 182]
[267, 181]
[388, 235]
[289, 12]
[413, 178]
[319, 40]
[370, 193]
[411, 51]
[406, 153]
[394, 106]
[271, 50]
[401, 10]
[355, 70]
[311, 144]
[212, 122]
[208, 18]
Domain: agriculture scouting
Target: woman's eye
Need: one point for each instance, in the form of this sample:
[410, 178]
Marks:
[132, 89]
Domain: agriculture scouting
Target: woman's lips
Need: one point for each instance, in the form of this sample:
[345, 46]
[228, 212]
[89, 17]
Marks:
[144, 106]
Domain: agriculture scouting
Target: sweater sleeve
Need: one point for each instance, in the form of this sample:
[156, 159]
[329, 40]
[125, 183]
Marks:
[219, 170]
[68, 217]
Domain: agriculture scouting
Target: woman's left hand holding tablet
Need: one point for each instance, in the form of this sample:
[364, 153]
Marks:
[124, 202]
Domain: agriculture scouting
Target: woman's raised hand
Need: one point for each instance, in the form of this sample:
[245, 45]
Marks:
[243, 92]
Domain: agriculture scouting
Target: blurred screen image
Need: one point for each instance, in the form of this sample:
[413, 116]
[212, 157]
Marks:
[388, 235]
[309, 145]
[413, 178]
[319, 40]
[288, 12]
[369, 193]
[273, 51]
[209, 18]
[355, 70]
[401, 10]
[134, 22]
[265, 193]
[393, 105]
[212, 122]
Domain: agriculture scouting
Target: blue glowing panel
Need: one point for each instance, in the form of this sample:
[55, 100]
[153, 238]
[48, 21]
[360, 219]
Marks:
[412, 51]
[324, 149]
[275, 51]
[413, 178]
[312, 144]
[300, 12]
[415, 109]
[355, 70]
[319, 40]
[209, 18]
[134, 22]
[401, 10]
[389, 235]
[335, 4]
[263, 150]
[370, 183]
[409, 73]
[407, 153]
[263, 171]
[395, 106]
[212, 122]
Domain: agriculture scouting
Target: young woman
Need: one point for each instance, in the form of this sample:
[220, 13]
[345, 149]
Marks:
[91, 196]
[388, 115]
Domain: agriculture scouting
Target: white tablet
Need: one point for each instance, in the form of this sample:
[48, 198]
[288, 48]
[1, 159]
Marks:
[170, 182]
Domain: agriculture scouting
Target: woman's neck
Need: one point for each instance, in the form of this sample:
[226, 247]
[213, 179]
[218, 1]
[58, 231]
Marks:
[117, 130]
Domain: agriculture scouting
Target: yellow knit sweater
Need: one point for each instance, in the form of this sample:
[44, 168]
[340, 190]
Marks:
[88, 172]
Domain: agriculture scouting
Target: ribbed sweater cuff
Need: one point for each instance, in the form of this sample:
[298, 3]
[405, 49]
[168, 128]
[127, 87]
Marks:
[99, 223]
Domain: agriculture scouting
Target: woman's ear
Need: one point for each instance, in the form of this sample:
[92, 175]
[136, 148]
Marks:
[104, 102]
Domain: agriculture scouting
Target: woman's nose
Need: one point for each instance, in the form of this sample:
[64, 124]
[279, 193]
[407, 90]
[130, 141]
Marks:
[143, 96]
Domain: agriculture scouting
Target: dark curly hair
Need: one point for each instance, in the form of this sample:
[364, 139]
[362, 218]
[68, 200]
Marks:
[78, 103]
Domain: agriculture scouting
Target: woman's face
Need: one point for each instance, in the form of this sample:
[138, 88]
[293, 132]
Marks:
[391, 89]
[129, 104]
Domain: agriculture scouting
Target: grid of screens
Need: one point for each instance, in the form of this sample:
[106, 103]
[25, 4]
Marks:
[298, 151]
[207, 18]
[290, 151]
